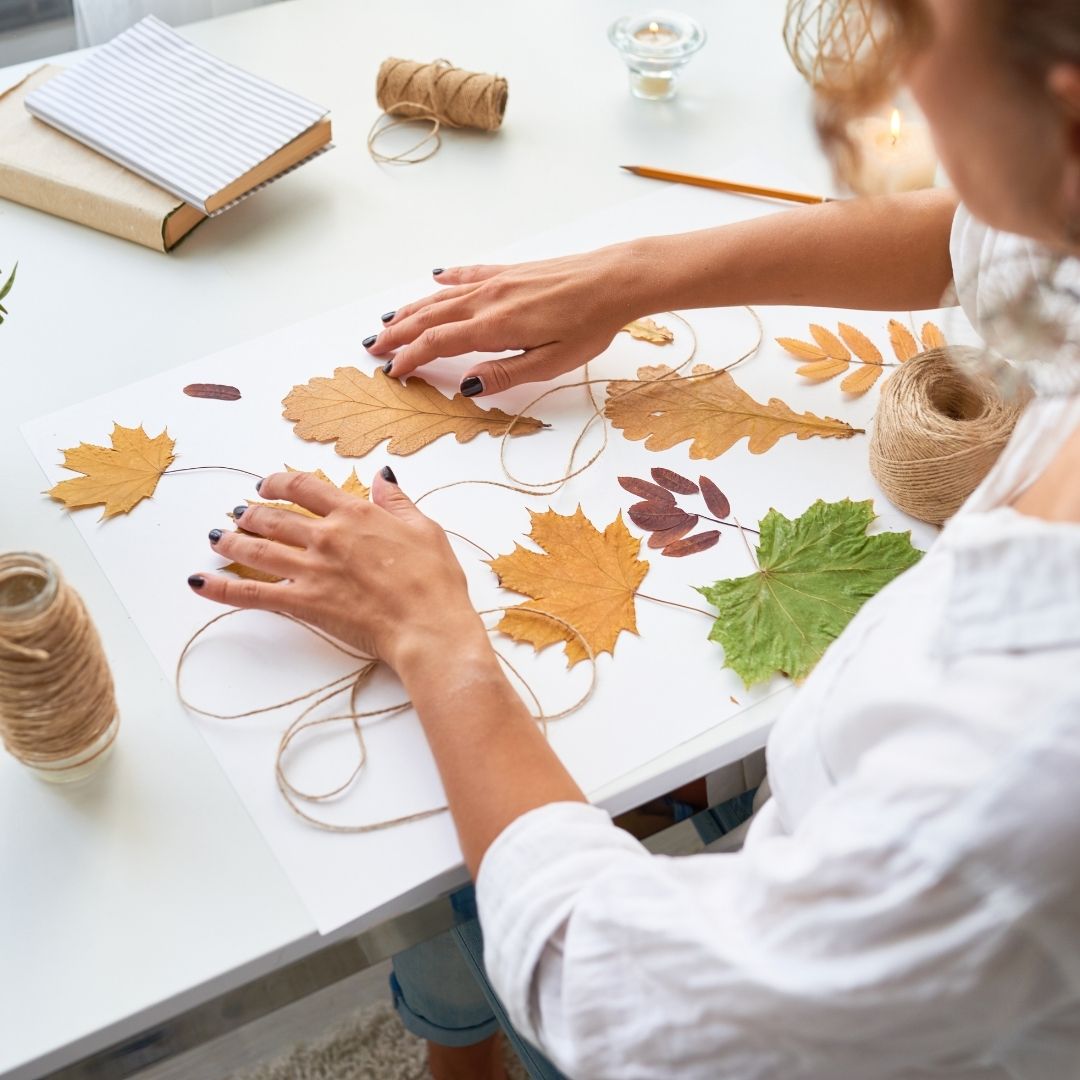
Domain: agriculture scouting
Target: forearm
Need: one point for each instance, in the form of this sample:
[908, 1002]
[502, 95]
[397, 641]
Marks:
[889, 253]
[494, 762]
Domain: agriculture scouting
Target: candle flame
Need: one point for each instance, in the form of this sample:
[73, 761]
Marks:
[894, 125]
[654, 28]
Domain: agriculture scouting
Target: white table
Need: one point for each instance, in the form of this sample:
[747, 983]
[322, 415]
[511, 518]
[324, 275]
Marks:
[136, 897]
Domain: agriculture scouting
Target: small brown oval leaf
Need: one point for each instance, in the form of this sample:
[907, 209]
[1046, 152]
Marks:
[669, 536]
[715, 499]
[644, 490]
[692, 544]
[673, 481]
[657, 516]
[212, 390]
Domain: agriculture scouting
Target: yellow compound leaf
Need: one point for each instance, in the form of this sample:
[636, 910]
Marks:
[357, 412]
[861, 379]
[823, 369]
[649, 330]
[860, 344]
[803, 350]
[903, 341]
[711, 412]
[583, 576]
[832, 345]
[116, 477]
[932, 337]
[352, 485]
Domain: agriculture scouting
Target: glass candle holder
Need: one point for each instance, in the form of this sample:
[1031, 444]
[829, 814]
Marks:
[655, 47]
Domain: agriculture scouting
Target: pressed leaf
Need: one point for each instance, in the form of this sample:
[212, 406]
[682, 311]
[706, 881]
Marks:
[212, 390]
[582, 576]
[357, 412]
[644, 490]
[116, 477]
[860, 344]
[903, 341]
[860, 380]
[669, 536]
[932, 337]
[715, 499]
[656, 516]
[802, 349]
[692, 544]
[815, 572]
[673, 481]
[832, 345]
[711, 413]
[649, 330]
[822, 369]
[10, 281]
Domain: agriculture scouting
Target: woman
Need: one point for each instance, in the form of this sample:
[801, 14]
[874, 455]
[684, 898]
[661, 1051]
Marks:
[908, 902]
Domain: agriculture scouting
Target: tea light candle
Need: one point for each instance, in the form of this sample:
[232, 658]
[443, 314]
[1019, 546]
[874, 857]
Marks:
[894, 155]
[655, 47]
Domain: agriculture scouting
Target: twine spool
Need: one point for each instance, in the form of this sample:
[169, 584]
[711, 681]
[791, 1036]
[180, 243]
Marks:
[937, 432]
[438, 93]
[57, 705]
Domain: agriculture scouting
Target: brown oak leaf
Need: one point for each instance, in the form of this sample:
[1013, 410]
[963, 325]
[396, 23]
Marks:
[116, 477]
[649, 330]
[357, 412]
[583, 576]
[712, 413]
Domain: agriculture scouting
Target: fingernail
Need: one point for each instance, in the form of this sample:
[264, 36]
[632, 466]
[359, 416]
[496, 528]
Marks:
[215, 535]
[472, 386]
[387, 367]
[437, 271]
[388, 316]
[258, 486]
[388, 474]
[369, 341]
[196, 581]
[238, 512]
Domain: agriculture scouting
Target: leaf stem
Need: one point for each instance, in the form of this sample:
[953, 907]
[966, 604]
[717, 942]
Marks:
[199, 468]
[730, 524]
[675, 603]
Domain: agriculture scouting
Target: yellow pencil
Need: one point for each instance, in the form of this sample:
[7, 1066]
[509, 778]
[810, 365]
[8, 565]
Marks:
[724, 185]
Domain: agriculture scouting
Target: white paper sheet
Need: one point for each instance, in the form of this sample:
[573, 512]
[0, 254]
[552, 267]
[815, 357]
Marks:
[661, 688]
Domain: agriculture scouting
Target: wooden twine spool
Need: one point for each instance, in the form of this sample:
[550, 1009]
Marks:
[57, 705]
[937, 432]
[438, 93]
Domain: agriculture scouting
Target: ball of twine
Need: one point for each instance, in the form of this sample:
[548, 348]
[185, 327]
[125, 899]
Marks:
[937, 432]
[57, 702]
[438, 93]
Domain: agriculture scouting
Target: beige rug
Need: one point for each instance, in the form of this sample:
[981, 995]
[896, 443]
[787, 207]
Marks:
[372, 1045]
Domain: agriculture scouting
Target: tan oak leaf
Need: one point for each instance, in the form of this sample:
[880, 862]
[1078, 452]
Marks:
[582, 576]
[649, 330]
[710, 412]
[357, 412]
[117, 476]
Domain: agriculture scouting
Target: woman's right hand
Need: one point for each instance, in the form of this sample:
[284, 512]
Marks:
[558, 314]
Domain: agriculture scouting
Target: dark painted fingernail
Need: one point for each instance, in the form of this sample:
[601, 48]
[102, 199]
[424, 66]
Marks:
[258, 485]
[238, 511]
[472, 386]
[369, 341]
[387, 367]
[388, 316]
[388, 474]
[196, 581]
[215, 535]
[437, 271]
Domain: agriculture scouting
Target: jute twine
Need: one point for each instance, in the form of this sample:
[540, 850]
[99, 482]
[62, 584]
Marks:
[937, 432]
[437, 93]
[56, 691]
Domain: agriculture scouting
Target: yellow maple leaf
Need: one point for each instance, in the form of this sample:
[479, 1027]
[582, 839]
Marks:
[713, 413]
[649, 330]
[357, 412]
[116, 477]
[584, 577]
[352, 485]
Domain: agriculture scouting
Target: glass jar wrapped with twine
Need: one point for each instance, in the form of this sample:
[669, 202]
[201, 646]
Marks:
[57, 705]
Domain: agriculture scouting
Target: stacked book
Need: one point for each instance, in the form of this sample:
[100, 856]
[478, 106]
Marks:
[150, 136]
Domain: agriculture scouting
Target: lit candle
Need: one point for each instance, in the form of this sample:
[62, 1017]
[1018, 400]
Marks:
[656, 47]
[656, 34]
[894, 155]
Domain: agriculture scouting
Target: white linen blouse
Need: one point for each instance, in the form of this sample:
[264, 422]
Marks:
[907, 905]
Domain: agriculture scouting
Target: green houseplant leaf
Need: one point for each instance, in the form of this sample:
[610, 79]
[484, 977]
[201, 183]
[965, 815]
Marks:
[814, 573]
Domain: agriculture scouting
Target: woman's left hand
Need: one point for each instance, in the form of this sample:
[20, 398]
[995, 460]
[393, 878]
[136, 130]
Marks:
[378, 575]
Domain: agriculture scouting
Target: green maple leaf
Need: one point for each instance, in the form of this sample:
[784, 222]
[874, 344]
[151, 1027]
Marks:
[815, 573]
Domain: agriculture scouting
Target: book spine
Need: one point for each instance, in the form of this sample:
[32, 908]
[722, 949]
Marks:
[64, 200]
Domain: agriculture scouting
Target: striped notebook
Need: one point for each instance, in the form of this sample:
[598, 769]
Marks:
[201, 129]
